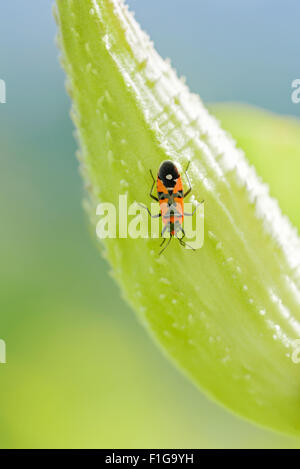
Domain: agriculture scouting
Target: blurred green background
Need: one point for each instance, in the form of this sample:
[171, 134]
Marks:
[81, 371]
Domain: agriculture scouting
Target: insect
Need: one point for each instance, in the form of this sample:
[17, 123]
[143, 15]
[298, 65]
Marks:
[170, 196]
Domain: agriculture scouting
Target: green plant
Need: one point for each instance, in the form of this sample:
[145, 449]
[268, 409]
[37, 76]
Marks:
[228, 314]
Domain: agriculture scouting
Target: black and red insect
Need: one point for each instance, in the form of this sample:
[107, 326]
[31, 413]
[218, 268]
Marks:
[170, 196]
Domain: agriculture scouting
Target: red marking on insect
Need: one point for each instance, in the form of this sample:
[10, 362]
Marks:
[170, 196]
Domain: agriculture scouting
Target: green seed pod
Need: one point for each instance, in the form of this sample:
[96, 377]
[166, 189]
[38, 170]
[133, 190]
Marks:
[228, 314]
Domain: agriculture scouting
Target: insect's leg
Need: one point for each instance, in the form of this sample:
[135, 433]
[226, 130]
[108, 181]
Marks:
[164, 229]
[183, 233]
[152, 175]
[179, 229]
[191, 214]
[162, 242]
[152, 216]
[188, 180]
[183, 243]
[151, 195]
[165, 246]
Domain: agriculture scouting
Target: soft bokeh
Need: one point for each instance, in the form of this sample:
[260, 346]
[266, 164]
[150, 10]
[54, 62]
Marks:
[81, 371]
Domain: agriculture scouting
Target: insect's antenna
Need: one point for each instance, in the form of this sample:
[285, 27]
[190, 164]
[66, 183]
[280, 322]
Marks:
[165, 245]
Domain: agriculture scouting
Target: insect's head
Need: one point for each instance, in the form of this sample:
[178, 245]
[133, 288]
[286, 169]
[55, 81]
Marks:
[168, 173]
